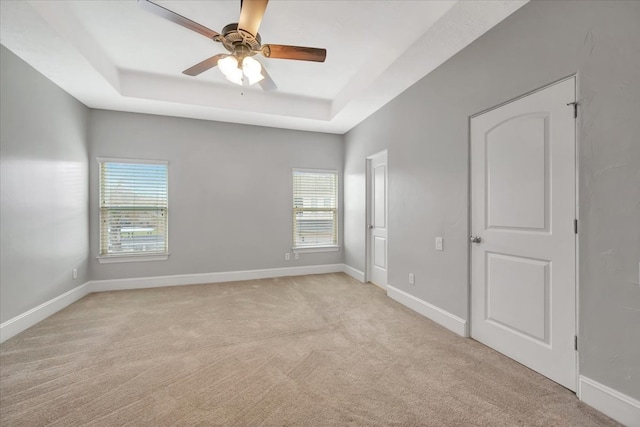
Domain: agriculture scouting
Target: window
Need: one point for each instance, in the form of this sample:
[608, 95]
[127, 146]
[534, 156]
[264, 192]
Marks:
[315, 209]
[133, 208]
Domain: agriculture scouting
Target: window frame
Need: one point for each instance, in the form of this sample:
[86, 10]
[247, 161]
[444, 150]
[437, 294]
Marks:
[130, 256]
[317, 248]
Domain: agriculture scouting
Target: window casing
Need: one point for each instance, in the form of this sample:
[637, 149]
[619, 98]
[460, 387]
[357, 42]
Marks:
[315, 209]
[133, 208]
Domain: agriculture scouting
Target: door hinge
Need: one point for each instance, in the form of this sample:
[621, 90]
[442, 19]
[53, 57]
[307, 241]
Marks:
[575, 108]
[575, 342]
[575, 226]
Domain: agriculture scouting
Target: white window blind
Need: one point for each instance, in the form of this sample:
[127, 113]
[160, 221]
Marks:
[315, 208]
[133, 207]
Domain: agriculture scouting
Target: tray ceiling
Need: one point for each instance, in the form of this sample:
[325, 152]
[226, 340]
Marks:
[114, 55]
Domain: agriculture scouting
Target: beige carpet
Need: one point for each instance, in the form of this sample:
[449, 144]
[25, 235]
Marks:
[313, 351]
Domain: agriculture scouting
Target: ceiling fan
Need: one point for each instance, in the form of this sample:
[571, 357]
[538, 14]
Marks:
[243, 42]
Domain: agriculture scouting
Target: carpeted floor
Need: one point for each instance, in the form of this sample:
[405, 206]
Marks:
[314, 351]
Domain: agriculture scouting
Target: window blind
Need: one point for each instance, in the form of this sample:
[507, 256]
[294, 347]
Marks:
[133, 207]
[315, 208]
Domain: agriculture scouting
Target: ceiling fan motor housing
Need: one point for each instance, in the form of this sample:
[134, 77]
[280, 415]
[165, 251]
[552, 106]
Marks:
[239, 41]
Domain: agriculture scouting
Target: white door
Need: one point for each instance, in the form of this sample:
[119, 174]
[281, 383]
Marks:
[523, 281]
[377, 213]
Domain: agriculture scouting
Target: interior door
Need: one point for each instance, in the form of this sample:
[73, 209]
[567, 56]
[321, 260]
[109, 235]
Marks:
[377, 228]
[523, 242]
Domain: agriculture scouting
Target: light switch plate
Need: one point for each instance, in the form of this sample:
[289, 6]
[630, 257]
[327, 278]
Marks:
[439, 244]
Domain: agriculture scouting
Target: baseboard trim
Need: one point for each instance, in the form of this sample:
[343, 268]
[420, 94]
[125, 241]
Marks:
[29, 318]
[356, 274]
[204, 278]
[438, 315]
[619, 406]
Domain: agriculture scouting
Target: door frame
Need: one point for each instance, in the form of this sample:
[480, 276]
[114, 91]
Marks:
[369, 213]
[577, 206]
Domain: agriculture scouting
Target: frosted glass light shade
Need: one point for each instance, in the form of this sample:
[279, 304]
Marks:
[252, 69]
[235, 77]
[229, 67]
[228, 64]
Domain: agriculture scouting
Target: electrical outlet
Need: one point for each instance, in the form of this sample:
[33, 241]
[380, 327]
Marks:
[439, 243]
[287, 256]
[296, 255]
[412, 279]
[74, 273]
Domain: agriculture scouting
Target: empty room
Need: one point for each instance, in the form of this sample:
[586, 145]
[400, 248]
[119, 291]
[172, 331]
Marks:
[288, 212]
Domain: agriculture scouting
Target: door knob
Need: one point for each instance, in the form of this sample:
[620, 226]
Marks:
[371, 227]
[475, 239]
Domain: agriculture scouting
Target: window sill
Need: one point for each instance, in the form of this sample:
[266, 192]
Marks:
[316, 249]
[131, 258]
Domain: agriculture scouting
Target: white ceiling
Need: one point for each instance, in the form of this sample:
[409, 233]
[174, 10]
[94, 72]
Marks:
[114, 55]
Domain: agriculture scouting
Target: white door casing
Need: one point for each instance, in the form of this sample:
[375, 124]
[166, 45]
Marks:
[523, 207]
[377, 219]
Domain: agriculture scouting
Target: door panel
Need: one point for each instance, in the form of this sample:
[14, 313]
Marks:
[523, 208]
[379, 197]
[521, 305]
[380, 252]
[517, 165]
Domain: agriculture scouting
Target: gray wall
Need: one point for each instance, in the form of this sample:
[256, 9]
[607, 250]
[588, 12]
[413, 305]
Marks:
[43, 188]
[230, 190]
[426, 132]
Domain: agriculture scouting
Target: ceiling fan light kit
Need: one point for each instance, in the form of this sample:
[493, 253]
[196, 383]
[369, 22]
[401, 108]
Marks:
[243, 42]
[234, 70]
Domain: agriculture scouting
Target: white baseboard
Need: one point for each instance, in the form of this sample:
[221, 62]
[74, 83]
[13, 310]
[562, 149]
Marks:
[438, 315]
[620, 407]
[203, 278]
[29, 318]
[356, 274]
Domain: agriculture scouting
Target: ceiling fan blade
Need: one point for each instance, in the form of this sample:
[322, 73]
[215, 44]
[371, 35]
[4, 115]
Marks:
[204, 65]
[300, 53]
[251, 13]
[267, 83]
[162, 12]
